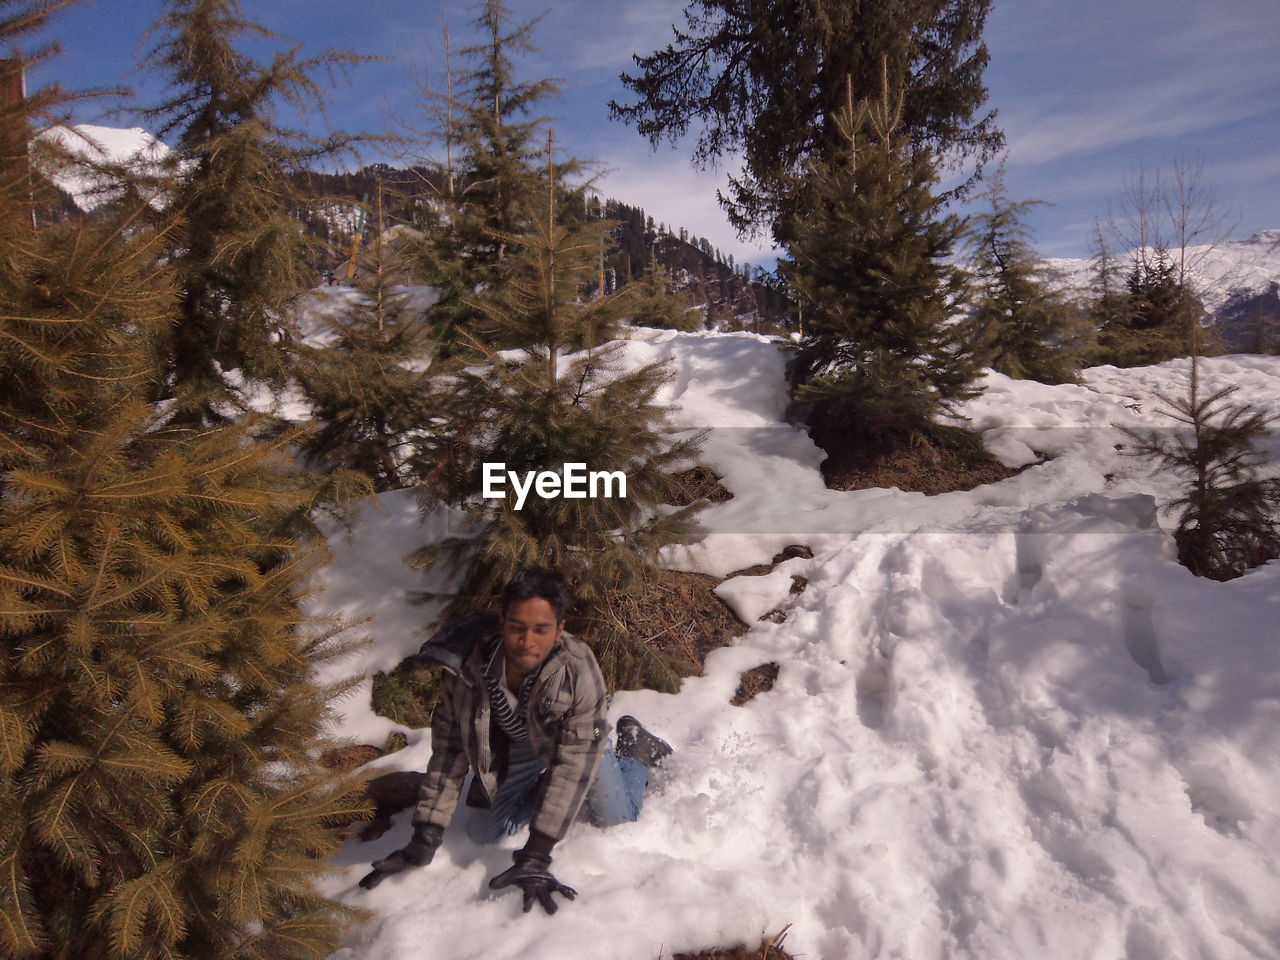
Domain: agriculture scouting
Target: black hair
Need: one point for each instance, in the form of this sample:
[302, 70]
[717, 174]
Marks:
[538, 582]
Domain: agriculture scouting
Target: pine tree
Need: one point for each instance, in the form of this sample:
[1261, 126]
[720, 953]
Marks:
[654, 306]
[767, 78]
[1163, 311]
[1229, 517]
[565, 400]
[1167, 224]
[158, 716]
[1030, 329]
[1108, 308]
[240, 255]
[502, 145]
[432, 139]
[1150, 318]
[373, 383]
[498, 179]
[881, 355]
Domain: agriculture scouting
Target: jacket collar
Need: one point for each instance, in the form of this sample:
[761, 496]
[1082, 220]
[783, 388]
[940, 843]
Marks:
[487, 661]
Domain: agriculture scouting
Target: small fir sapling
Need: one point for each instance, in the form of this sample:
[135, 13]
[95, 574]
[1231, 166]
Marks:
[1228, 516]
[564, 399]
[374, 384]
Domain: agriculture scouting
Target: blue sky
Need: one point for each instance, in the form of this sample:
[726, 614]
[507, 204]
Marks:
[1087, 90]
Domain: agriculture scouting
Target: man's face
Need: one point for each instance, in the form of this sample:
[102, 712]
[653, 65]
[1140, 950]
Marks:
[529, 631]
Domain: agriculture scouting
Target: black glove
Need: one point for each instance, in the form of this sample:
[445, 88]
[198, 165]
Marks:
[532, 875]
[427, 837]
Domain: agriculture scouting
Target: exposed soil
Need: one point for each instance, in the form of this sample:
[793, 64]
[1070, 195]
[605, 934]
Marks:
[760, 569]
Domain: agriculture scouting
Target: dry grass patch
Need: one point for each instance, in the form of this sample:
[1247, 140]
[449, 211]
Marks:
[770, 949]
[755, 681]
[923, 467]
[698, 483]
[347, 758]
[679, 615]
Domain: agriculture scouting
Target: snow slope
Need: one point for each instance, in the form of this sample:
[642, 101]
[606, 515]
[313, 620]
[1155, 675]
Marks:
[133, 149]
[1007, 723]
[1216, 270]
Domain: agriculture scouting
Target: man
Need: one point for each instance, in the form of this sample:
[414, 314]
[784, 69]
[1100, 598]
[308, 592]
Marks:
[523, 706]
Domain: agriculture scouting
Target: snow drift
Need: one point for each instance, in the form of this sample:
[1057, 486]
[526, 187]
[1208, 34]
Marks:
[1007, 723]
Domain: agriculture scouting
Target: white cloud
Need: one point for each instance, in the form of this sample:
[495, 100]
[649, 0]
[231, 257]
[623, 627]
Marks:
[672, 192]
[638, 29]
[1068, 82]
[1045, 134]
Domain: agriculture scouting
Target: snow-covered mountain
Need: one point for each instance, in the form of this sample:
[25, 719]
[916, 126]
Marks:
[132, 149]
[1007, 724]
[1218, 271]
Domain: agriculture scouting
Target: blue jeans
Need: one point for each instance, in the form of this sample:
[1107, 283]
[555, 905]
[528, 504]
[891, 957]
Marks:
[615, 797]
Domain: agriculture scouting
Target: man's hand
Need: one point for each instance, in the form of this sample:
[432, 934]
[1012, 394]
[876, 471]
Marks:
[427, 837]
[531, 875]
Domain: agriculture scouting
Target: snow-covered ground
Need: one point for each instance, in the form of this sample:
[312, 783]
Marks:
[1007, 723]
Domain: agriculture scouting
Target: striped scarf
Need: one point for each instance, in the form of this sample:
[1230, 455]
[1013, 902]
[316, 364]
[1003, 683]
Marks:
[511, 720]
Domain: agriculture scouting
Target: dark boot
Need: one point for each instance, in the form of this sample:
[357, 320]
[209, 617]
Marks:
[636, 742]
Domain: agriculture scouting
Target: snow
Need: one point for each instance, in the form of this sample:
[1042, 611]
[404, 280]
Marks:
[134, 149]
[1006, 724]
[318, 308]
[1216, 270]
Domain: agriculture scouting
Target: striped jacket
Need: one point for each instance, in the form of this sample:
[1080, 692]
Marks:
[566, 719]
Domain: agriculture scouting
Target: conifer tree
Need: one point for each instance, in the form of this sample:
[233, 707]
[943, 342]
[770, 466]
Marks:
[1150, 318]
[1030, 330]
[654, 306]
[240, 254]
[565, 400]
[767, 78]
[881, 355]
[501, 139]
[498, 179]
[1162, 310]
[1108, 307]
[372, 384]
[1228, 517]
[158, 716]
[1167, 224]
